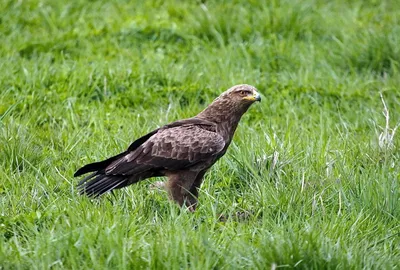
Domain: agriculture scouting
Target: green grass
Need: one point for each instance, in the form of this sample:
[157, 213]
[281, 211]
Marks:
[79, 81]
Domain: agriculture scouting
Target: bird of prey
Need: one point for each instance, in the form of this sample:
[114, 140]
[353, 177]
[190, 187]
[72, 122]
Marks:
[182, 151]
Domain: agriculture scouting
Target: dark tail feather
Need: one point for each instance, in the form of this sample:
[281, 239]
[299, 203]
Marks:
[97, 184]
[97, 166]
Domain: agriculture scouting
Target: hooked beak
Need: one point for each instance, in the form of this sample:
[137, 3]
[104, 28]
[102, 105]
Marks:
[255, 97]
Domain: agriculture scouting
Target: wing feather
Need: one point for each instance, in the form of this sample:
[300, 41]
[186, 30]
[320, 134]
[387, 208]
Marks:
[171, 148]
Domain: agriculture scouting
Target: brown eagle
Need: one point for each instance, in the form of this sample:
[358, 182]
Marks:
[183, 151]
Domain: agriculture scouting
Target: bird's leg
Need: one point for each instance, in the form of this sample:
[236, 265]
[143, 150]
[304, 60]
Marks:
[193, 194]
[179, 185]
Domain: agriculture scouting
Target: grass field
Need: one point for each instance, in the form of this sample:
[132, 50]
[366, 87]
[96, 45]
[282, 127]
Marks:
[311, 165]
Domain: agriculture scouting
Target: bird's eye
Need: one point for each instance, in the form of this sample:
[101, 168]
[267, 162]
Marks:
[244, 93]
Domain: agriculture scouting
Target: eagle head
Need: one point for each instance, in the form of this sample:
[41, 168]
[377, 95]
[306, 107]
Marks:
[241, 94]
[231, 104]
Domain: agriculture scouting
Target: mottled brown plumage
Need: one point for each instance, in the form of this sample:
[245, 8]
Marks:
[183, 151]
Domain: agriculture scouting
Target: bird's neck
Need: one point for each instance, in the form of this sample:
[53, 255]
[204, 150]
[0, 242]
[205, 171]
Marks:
[225, 115]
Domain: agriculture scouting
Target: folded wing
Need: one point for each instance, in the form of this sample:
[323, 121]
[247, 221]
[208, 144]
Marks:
[175, 148]
[178, 146]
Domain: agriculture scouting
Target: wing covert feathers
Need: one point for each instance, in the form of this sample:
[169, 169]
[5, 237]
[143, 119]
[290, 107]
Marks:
[174, 148]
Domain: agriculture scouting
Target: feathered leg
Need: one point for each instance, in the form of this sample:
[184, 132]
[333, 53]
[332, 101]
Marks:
[179, 185]
[193, 194]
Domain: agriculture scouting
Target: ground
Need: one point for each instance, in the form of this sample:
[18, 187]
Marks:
[314, 180]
